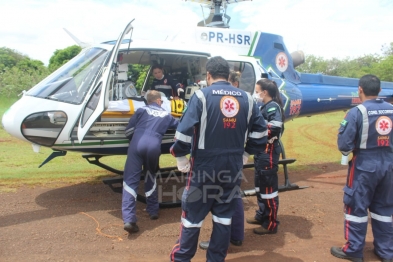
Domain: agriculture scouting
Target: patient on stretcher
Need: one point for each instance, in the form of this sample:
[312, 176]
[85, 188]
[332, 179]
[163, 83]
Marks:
[122, 110]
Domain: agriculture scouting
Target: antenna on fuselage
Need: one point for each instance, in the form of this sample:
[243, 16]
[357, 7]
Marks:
[215, 18]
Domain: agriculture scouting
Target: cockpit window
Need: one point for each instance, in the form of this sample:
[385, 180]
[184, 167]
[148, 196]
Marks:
[71, 82]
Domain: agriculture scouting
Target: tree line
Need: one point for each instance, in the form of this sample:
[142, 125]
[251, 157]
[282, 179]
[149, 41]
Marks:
[379, 65]
[18, 72]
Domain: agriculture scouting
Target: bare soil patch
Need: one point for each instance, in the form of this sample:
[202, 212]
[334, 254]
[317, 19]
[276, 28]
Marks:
[83, 222]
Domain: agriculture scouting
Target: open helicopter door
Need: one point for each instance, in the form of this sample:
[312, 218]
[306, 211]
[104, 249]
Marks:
[95, 104]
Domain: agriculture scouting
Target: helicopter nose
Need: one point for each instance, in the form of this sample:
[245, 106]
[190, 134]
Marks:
[10, 125]
[5, 121]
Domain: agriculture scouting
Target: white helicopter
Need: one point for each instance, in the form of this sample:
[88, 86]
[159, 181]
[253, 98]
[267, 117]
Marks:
[85, 105]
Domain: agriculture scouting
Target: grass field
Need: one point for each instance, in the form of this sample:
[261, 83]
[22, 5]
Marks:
[309, 139]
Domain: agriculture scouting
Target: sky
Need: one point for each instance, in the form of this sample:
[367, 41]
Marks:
[334, 28]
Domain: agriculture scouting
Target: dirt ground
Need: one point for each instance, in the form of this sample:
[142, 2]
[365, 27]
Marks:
[83, 223]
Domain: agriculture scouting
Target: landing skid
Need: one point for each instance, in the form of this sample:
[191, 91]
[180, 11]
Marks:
[284, 161]
[116, 183]
[97, 162]
[287, 184]
[281, 188]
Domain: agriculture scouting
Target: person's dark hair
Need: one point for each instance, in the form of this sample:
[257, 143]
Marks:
[157, 66]
[218, 67]
[370, 84]
[271, 87]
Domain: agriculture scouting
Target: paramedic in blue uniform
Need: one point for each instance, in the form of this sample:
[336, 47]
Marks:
[146, 127]
[165, 83]
[214, 127]
[237, 226]
[366, 131]
[266, 161]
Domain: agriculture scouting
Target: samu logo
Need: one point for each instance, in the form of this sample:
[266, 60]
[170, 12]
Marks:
[383, 125]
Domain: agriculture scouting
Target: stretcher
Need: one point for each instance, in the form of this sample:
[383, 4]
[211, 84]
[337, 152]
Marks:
[122, 110]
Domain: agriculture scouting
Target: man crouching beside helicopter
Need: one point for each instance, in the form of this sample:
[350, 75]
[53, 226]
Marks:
[146, 128]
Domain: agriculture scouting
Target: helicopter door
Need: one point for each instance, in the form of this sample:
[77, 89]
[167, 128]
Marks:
[95, 104]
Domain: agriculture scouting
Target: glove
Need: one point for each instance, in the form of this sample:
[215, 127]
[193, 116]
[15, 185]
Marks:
[180, 90]
[183, 164]
[271, 140]
[245, 157]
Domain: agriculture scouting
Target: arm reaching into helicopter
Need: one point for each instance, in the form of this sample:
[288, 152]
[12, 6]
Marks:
[184, 133]
[185, 129]
[129, 131]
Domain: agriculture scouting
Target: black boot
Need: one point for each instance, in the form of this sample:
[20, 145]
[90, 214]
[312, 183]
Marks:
[338, 252]
[236, 242]
[204, 245]
[383, 259]
[131, 227]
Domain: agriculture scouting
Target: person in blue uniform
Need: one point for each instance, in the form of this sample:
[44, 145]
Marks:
[214, 126]
[266, 160]
[165, 83]
[237, 226]
[145, 129]
[366, 131]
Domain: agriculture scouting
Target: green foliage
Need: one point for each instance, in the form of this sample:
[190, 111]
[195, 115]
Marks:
[9, 57]
[18, 72]
[13, 81]
[384, 69]
[313, 65]
[62, 56]
[347, 67]
[354, 68]
[137, 73]
[28, 65]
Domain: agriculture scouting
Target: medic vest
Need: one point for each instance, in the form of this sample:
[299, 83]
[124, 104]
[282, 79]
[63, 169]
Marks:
[376, 125]
[272, 113]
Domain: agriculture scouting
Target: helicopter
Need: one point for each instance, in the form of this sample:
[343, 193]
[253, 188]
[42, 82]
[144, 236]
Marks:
[85, 105]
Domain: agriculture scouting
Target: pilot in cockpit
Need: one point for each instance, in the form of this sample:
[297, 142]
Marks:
[165, 83]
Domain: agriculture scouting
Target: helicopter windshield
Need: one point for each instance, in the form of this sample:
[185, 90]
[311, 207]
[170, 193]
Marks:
[71, 82]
